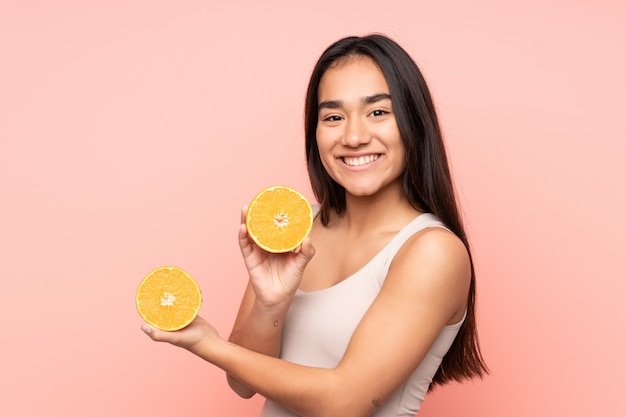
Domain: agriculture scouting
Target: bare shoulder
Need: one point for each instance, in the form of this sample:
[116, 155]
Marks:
[434, 264]
[435, 246]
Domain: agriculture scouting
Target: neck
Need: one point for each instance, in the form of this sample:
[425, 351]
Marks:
[388, 208]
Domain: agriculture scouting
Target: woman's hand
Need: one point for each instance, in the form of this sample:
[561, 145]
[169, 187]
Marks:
[275, 277]
[199, 330]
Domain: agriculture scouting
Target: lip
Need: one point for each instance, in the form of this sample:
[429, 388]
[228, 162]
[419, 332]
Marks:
[359, 161]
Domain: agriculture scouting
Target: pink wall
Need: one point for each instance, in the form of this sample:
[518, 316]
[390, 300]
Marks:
[131, 132]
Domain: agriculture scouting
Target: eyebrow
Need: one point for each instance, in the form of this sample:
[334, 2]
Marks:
[335, 104]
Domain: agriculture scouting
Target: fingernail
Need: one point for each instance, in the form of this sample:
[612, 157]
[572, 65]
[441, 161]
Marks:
[146, 329]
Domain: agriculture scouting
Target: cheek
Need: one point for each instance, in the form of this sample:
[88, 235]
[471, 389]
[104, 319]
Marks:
[402, 165]
[401, 155]
[324, 143]
[326, 162]
[322, 149]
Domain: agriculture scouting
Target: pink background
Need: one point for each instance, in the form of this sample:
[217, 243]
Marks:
[131, 133]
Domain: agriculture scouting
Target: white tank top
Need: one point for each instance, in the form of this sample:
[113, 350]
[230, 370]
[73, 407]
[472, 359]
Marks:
[319, 325]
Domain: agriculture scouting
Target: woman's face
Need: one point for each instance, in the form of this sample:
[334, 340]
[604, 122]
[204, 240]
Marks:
[357, 133]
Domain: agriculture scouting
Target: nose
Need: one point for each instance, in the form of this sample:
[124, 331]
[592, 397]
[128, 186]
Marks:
[356, 133]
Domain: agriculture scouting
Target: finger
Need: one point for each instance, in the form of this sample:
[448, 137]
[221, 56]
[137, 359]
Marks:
[243, 232]
[244, 242]
[244, 211]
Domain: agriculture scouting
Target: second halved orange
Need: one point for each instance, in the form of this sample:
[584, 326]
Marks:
[279, 218]
[168, 298]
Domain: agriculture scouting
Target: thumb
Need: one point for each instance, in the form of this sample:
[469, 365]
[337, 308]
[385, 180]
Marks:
[158, 335]
[305, 254]
[150, 331]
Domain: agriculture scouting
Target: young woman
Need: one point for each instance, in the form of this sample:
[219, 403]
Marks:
[378, 304]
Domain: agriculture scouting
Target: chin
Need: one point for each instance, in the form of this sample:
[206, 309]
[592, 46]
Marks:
[362, 191]
[371, 189]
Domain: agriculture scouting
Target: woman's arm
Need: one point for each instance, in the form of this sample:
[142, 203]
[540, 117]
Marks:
[258, 328]
[273, 282]
[426, 288]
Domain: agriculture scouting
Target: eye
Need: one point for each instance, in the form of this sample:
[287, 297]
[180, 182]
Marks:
[332, 118]
[379, 112]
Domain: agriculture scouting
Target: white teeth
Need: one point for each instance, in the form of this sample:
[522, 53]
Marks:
[361, 160]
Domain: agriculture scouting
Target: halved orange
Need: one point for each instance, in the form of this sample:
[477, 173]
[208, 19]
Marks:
[168, 298]
[279, 218]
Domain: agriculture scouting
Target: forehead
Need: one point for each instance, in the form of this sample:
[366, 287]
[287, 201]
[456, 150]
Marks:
[352, 77]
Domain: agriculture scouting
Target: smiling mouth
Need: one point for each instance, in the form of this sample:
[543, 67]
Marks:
[360, 160]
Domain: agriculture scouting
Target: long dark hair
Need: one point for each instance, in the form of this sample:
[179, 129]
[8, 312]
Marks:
[426, 181]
